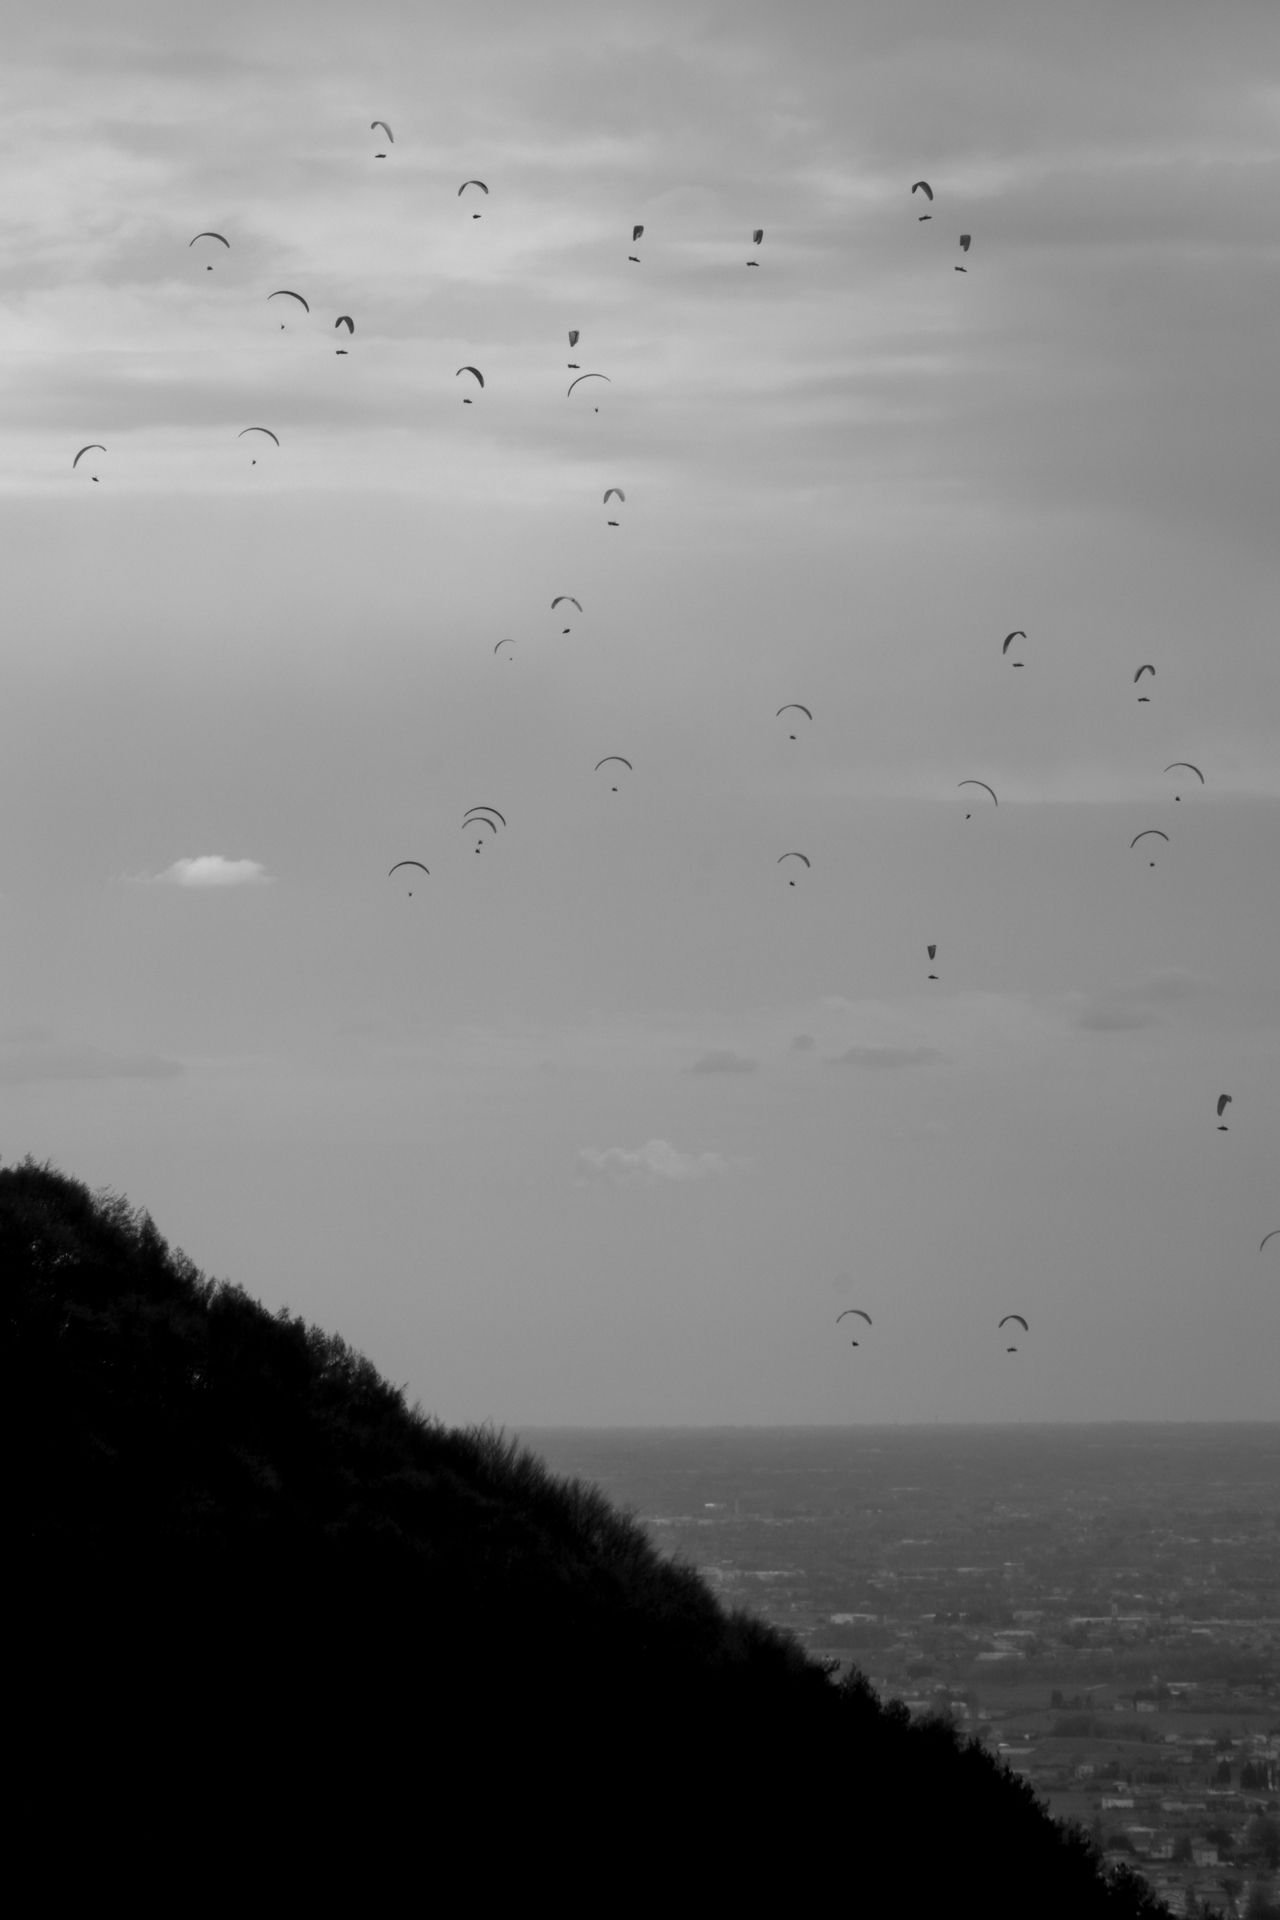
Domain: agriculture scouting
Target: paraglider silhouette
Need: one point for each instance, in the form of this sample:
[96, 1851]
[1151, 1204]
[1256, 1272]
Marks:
[391, 139]
[792, 856]
[977, 783]
[1160, 835]
[1190, 769]
[860, 1314]
[1146, 667]
[409, 863]
[922, 186]
[613, 756]
[1224, 1101]
[793, 706]
[1017, 634]
[932, 951]
[210, 235]
[95, 446]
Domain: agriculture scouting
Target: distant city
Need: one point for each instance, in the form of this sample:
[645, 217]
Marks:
[1099, 1605]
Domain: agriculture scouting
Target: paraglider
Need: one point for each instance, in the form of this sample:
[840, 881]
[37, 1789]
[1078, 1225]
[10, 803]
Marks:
[287, 293]
[572, 602]
[1224, 1101]
[977, 783]
[932, 953]
[409, 863]
[635, 235]
[473, 183]
[486, 816]
[1021, 1322]
[506, 643]
[391, 139]
[587, 376]
[793, 706]
[95, 446]
[266, 430]
[621, 762]
[1190, 769]
[1144, 699]
[345, 320]
[756, 239]
[1143, 835]
[1268, 1236]
[860, 1314]
[210, 235]
[612, 493]
[573, 341]
[479, 376]
[1017, 634]
[964, 248]
[792, 856]
[922, 186]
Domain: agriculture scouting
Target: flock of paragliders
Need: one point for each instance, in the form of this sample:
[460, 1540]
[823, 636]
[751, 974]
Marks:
[480, 817]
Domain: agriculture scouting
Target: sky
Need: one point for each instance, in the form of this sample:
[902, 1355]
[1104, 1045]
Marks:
[607, 1121]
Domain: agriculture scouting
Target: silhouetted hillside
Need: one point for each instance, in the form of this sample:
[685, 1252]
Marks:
[273, 1621]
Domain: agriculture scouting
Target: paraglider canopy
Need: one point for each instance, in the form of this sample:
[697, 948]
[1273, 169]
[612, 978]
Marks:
[566, 596]
[635, 234]
[616, 757]
[1224, 1101]
[1146, 667]
[757, 236]
[1014, 1316]
[94, 446]
[922, 186]
[853, 1310]
[1017, 634]
[209, 234]
[266, 430]
[587, 376]
[978, 783]
[345, 320]
[504, 643]
[1190, 769]
[1268, 1236]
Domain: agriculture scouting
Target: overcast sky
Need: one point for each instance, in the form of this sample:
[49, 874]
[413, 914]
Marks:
[608, 1121]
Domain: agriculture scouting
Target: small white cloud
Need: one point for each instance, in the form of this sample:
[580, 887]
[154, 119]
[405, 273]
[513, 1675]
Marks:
[655, 1160]
[213, 870]
[885, 1056]
[722, 1060]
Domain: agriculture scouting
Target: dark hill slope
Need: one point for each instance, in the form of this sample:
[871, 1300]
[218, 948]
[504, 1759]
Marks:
[268, 1614]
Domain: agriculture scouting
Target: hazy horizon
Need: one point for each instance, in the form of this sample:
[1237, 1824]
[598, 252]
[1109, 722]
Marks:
[608, 1122]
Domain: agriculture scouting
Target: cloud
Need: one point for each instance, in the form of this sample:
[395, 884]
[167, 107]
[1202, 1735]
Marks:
[1125, 1009]
[213, 870]
[655, 1160]
[885, 1056]
[31, 1054]
[722, 1060]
